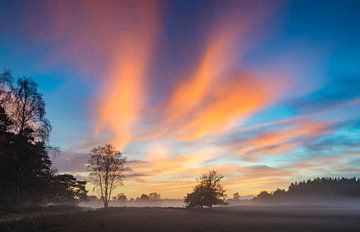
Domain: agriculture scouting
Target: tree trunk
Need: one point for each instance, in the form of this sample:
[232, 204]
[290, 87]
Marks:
[18, 184]
[18, 154]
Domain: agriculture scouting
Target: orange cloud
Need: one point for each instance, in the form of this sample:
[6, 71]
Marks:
[188, 95]
[236, 99]
[158, 167]
[305, 130]
[282, 140]
[108, 41]
[123, 92]
[212, 97]
[328, 164]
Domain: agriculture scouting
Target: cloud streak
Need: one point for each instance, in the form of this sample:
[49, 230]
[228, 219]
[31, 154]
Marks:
[123, 93]
[182, 88]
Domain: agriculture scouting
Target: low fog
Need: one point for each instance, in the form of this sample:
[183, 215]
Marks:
[319, 202]
[150, 203]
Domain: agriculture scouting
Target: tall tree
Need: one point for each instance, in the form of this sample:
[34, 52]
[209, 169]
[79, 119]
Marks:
[5, 85]
[106, 166]
[7, 138]
[25, 167]
[208, 192]
[26, 108]
[7, 161]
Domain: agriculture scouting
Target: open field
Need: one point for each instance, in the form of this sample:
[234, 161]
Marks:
[244, 218]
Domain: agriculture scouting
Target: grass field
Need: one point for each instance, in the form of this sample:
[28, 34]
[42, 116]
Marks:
[241, 218]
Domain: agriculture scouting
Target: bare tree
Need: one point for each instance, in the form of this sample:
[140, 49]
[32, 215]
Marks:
[27, 109]
[106, 167]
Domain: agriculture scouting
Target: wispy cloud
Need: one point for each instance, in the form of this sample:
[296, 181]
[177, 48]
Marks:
[183, 95]
[279, 140]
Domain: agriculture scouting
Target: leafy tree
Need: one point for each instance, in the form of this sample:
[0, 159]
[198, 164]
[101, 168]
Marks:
[23, 149]
[106, 166]
[26, 108]
[121, 197]
[7, 160]
[65, 189]
[144, 197]
[25, 168]
[5, 85]
[208, 192]
[36, 173]
[264, 195]
[279, 193]
[236, 196]
[154, 196]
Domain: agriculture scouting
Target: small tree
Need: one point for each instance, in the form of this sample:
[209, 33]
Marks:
[144, 197]
[106, 167]
[208, 192]
[154, 196]
[121, 197]
[264, 195]
[236, 196]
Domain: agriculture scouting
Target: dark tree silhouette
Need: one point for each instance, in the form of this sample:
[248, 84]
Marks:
[154, 196]
[26, 177]
[106, 167]
[26, 108]
[236, 196]
[7, 160]
[208, 192]
[312, 190]
[65, 189]
[121, 197]
[5, 84]
[264, 195]
[143, 197]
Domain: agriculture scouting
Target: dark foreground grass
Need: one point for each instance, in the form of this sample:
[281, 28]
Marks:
[249, 218]
[29, 210]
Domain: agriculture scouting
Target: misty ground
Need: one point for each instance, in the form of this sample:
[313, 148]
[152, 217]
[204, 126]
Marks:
[236, 218]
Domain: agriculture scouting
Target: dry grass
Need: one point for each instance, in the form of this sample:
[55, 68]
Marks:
[245, 218]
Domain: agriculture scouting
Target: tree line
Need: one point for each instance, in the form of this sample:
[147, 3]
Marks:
[313, 189]
[26, 173]
[121, 197]
[209, 191]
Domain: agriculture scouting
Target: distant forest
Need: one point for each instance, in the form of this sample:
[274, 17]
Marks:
[317, 189]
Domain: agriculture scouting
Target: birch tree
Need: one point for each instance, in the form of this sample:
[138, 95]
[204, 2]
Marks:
[25, 107]
[106, 167]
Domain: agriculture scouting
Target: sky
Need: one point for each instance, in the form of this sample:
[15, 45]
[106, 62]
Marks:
[263, 92]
